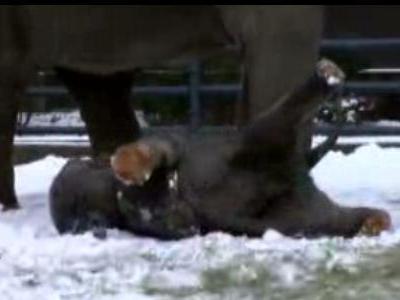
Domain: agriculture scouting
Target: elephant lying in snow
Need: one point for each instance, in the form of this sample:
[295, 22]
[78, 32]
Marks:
[256, 181]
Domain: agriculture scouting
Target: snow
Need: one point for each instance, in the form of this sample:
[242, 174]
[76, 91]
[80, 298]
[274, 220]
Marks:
[53, 140]
[68, 119]
[371, 171]
[37, 263]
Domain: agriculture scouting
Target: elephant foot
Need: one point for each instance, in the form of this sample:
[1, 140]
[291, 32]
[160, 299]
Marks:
[376, 223]
[10, 205]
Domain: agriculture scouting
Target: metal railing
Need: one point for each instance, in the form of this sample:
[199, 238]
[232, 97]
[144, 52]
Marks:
[194, 90]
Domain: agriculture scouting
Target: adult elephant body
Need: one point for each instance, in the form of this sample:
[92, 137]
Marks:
[107, 39]
[96, 48]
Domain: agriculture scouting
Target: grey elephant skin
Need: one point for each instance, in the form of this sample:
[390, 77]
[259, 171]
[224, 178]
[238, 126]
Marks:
[96, 48]
[83, 198]
[261, 180]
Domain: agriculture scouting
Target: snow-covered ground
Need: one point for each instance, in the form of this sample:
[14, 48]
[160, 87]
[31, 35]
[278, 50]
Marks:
[36, 263]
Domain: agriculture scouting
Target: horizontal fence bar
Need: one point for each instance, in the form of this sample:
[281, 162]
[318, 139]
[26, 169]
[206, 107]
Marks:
[350, 130]
[360, 44]
[359, 87]
[366, 129]
[180, 129]
[176, 90]
[372, 87]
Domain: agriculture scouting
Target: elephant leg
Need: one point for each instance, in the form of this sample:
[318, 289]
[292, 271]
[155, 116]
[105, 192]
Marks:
[274, 73]
[105, 108]
[15, 71]
[12, 85]
[273, 138]
[280, 46]
[280, 49]
[323, 217]
[8, 116]
[277, 132]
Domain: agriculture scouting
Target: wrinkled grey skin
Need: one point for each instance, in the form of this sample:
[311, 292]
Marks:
[91, 46]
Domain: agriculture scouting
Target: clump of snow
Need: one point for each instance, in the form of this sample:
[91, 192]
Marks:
[37, 263]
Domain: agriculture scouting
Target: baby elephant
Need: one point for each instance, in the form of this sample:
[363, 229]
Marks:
[259, 179]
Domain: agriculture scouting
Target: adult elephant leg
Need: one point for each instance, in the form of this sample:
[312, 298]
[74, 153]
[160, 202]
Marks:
[280, 45]
[105, 107]
[281, 58]
[15, 46]
[8, 117]
[12, 85]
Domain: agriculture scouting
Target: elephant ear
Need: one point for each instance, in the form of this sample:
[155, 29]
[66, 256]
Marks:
[331, 72]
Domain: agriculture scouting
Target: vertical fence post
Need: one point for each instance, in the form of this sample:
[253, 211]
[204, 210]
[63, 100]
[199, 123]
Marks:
[194, 94]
